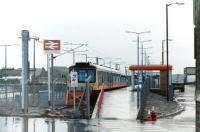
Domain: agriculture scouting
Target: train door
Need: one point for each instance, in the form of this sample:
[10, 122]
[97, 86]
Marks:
[109, 79]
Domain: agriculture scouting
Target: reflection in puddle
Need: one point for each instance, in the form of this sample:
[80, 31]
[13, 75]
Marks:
[181, 100]
[17, 124]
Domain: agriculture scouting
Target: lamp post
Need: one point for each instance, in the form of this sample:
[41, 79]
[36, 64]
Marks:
[142, 49]
[142, 56]
[138, 41]
[147, 57]
[163, 50]
[167, 39]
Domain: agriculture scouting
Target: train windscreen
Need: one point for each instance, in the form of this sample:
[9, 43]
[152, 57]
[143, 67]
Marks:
[83, 74]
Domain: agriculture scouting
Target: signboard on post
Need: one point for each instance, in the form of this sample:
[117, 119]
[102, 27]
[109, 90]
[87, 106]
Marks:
[51, 46]
[74, 79]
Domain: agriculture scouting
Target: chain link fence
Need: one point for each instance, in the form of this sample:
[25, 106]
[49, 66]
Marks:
[143, 97]
[11, 95]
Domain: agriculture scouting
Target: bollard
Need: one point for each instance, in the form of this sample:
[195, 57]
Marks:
[151, 116]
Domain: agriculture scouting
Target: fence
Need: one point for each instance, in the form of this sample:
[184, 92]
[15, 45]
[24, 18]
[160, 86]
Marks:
[10, 95]
[143, 97]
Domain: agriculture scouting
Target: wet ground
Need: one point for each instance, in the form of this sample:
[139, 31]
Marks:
[118, 117]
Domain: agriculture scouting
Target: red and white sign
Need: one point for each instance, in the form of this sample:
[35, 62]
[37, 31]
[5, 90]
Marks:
[51, 45]
[74, 79]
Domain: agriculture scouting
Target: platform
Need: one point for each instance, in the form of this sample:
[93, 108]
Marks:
[119, 104]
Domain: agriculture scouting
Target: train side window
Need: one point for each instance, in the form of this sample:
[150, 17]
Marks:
[111, 77]
[114, 78]
[106, 77]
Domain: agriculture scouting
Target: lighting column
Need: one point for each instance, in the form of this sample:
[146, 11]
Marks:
[167, 39]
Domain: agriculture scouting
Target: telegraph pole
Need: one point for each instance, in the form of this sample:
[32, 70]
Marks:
[35, 39]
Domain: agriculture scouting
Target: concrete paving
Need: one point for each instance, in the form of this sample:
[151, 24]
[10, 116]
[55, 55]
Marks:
[162, 107]
[119, 104]
[122, 104]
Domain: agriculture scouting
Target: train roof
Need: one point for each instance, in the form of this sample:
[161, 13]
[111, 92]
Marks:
[82, 65]
[104, 68]
[99, 67]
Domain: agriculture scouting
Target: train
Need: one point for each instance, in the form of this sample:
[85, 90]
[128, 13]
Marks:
[100, 77]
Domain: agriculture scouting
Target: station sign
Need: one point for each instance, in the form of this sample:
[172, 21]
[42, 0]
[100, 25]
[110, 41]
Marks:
[74, 79]
[51, 46]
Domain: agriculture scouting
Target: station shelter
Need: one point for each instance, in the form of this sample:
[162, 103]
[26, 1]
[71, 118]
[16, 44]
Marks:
[162, 69]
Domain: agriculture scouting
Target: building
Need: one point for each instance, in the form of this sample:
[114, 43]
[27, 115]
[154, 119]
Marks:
[13, 76]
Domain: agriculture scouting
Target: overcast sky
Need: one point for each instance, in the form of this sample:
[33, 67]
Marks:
[102, 25]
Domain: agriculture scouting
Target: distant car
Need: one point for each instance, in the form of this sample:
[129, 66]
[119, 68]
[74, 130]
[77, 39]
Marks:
[178, 82]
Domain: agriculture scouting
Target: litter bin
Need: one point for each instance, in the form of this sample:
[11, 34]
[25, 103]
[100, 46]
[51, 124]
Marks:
[43, 99]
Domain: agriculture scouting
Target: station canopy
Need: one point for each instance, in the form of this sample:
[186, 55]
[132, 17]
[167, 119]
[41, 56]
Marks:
[150, 67]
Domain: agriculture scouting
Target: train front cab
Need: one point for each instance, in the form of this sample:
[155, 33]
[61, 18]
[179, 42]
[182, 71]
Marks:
[101, 78]
[83, 73]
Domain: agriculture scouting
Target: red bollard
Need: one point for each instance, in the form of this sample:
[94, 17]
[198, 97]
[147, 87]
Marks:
[151, 116]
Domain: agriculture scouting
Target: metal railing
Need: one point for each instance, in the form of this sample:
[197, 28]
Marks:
[11, 100]
[143, 97]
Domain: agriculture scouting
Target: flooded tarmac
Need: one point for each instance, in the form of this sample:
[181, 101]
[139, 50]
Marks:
[120, 116]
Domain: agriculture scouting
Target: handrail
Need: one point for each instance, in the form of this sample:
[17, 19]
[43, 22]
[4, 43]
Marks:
[100, 99]
[98, 104]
